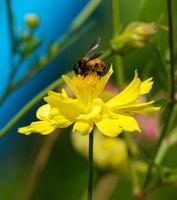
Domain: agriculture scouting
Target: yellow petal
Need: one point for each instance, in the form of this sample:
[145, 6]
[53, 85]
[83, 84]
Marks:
[138, 107]
[25, 130]
[146, 86]
[129, 94]
[92, 114]
[61, 121]
[52, 115]
[82, 127]
[43, 112]
[42, 127]
[127, 123]
[109, 127]
[68, 107]
[103, 81]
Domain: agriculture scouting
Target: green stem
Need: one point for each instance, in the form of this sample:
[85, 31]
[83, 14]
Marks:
[163, 133]
[12, 49]
[133, 174]
[115, 17]
[39, 65]
[11, 25]
[118, 71]
[171, 103]
[118, 68]
[106, 54]
[90, 155]
[171, 47]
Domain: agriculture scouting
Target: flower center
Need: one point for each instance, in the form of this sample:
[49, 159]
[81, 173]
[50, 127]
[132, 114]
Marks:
[84, 82]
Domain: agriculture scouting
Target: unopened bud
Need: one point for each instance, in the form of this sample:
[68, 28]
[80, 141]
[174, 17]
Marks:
[135, 35]
[31, 20]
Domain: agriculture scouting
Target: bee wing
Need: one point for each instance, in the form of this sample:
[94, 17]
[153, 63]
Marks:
[93, 47]
[97, 55]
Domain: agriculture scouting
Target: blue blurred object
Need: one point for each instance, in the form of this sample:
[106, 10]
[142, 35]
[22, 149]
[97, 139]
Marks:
[55, 18]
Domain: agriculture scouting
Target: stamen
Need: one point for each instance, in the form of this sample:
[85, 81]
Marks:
[89, 81]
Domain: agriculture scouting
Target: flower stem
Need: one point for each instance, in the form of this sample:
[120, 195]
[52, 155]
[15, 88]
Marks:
[171, 46]
[163, 133]
[171, 102]
[118, 69]
[11, 25]
[90, 155]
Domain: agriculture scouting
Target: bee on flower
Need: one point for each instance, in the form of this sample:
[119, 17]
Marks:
[89, 109]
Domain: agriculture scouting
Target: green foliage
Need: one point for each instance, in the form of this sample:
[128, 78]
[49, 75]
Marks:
[65, 175]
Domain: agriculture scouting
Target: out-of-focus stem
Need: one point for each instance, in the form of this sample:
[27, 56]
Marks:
[118, 68]
[105, 187]
[11, 25]
[171, 102]
[12, 49]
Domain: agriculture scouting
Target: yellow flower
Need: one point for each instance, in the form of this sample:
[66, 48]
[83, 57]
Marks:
[89, 109]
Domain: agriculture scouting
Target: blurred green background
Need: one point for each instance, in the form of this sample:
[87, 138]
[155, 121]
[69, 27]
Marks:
[64, 175]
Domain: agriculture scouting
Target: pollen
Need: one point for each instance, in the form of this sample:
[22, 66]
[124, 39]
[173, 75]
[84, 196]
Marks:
[90, 80]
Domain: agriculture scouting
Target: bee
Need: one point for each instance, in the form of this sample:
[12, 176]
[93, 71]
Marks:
[91, 63]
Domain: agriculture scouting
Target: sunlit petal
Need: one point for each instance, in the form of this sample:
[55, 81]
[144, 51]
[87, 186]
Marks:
[138, 107]
[129, 94]
[109, 127]
[83, 127]
[42, 127]
[43, 112]
[68, 107]
[146, 86]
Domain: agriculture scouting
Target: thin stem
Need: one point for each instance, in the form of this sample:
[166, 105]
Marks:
[90, 155]
[171, 46]
[39, 65]
[11, 25]
[12, 49]
[106, 54]
[163, 133]
[133, 174]
[156, 187]
[105, 186]
[118, 69]
[170, 104]
[115, 17]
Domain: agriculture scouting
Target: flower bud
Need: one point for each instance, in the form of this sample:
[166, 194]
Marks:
[135, 35]
[31, 20]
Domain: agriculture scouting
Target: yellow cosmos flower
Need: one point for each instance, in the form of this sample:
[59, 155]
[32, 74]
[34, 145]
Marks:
[89, 109]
